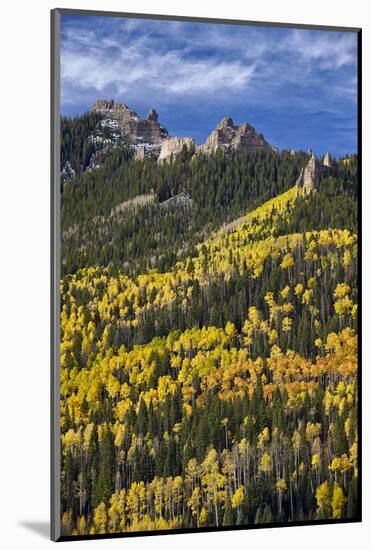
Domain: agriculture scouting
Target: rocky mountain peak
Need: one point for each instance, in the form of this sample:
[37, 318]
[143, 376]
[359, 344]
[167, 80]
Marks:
[102, 105]
[228, 136]
[120, 125]
[106, 106]
[225, 123]
[130, 127]
[148, 134]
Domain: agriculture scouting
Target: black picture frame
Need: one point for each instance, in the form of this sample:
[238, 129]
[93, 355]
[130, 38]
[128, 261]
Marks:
[55, 268]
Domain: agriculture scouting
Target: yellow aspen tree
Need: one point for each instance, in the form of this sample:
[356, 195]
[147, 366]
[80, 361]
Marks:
[238, 497]
[323, 500]
[338, 501]
[100, 518]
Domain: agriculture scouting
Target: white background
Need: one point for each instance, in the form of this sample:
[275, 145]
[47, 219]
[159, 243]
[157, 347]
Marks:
[24, 253]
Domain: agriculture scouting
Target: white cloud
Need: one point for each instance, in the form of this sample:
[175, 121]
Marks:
[206, 77]
[89, 63]
[331, 50]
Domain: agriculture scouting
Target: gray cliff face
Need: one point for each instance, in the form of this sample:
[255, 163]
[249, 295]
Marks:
[309, 176]
[132, 129]
[172, 146]
[227, 136]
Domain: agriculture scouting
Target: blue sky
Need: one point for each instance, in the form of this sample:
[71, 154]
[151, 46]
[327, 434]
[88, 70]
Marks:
[297, 87]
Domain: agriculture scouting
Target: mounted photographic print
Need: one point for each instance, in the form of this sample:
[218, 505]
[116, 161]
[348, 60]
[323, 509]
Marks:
[205, 219]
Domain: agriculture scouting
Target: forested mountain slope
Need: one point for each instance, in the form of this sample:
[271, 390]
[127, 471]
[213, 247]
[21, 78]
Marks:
[219, 189]
[207, 191]
[221, 388]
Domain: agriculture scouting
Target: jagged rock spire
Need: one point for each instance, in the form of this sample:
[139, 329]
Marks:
[309, 176]
[327, 160]
[152, 115]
